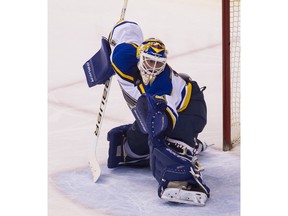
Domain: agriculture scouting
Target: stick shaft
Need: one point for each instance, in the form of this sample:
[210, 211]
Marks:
[103, 103]
[93, 162]
[123, 10]
[94, 165]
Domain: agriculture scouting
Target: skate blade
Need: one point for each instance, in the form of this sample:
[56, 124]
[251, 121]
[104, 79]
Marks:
[183, 196]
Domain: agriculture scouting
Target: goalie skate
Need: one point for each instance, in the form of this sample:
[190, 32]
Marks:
[185, 149]
[183, 194]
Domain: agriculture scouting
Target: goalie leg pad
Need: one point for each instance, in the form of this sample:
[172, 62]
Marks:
[116, 138]
[166, 165]
[120, 152]
[169, 167]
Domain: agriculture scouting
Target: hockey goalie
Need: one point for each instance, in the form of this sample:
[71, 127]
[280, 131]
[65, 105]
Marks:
[169, 110]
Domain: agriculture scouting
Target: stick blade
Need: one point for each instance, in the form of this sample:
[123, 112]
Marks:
[95, 169]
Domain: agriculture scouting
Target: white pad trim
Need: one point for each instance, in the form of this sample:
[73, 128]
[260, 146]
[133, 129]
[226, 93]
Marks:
[179, 195]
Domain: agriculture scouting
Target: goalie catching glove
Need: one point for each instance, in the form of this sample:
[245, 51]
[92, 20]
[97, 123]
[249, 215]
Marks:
[150, 114]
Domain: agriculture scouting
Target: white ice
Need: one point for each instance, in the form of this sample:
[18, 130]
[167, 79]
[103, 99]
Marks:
[191, 31]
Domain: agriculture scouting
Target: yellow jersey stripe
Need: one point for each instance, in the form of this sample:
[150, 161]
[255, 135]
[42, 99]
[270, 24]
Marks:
[120, 73]
[173, 118]
[142, 90]
[186, 98]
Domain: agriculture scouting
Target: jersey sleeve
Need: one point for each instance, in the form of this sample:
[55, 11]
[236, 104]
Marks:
[124, 61]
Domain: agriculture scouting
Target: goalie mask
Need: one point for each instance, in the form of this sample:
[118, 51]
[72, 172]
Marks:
[152, 56]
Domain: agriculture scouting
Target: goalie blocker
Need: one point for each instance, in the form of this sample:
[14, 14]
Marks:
[178, 174]
[98, 68]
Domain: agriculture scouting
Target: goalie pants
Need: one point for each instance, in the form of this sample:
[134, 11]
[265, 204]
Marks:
[190, 123]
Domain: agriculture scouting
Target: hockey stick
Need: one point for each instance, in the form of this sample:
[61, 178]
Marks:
[93, 163]
[124, 10]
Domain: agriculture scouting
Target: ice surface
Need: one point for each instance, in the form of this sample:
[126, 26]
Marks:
[191, 31]
[128, 191]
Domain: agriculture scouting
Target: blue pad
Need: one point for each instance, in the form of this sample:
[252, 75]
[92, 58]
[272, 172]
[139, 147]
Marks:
[167, 165]
[116, 138]
[118, 154]
[98, 69]
[150, 115]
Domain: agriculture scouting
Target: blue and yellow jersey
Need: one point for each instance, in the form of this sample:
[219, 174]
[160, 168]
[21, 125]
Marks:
[127, 36]
[168, 84]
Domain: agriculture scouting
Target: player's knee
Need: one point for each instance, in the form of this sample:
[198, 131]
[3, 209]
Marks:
[138, 142]
[198, 108]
